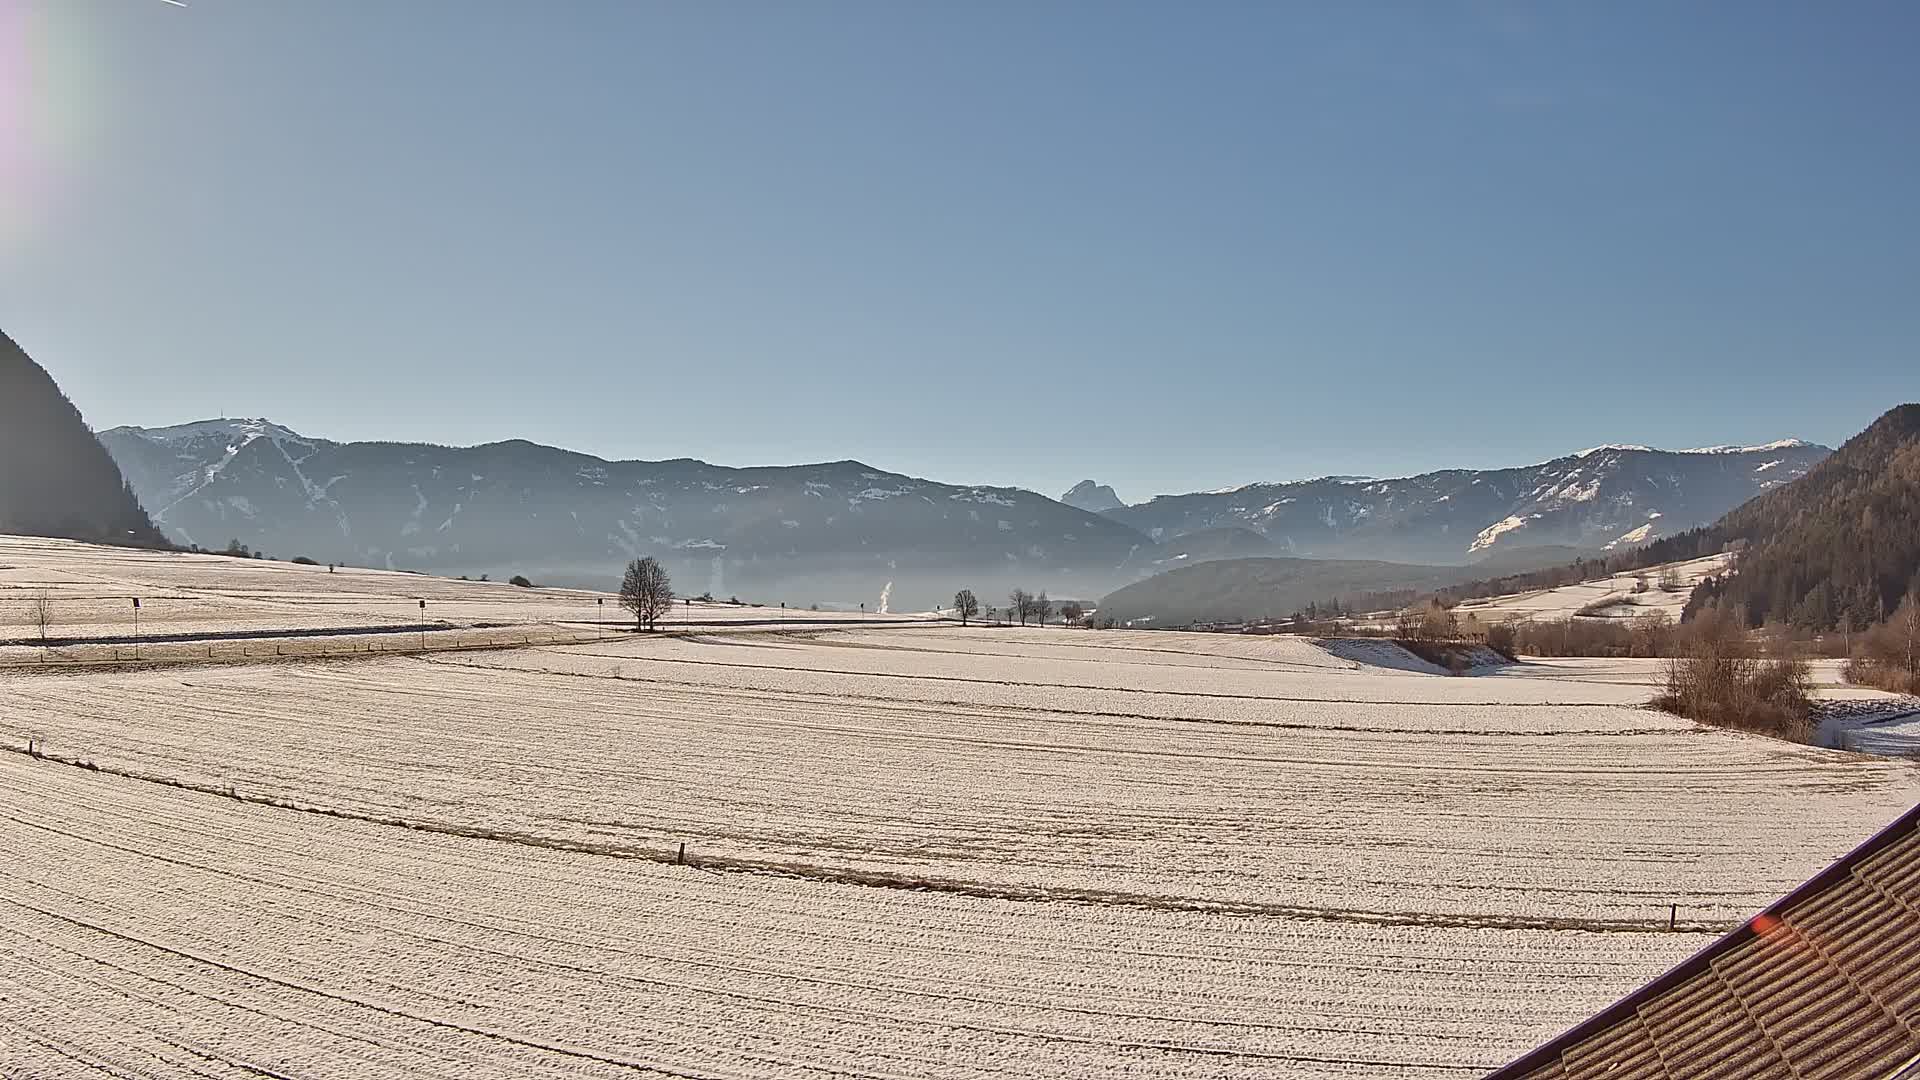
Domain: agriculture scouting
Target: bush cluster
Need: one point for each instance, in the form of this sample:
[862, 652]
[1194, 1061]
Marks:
[1716, 678]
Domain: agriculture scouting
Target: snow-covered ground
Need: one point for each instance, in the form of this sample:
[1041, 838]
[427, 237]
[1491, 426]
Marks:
[917, 851]
[1569, 600]
[90, 591]
[1387, 654]
[1873, 723]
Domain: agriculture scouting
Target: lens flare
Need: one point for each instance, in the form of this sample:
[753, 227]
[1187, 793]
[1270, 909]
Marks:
[47, 112]
[13, 120]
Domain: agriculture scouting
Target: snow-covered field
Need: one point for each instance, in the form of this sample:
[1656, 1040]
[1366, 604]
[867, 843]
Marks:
[90, 593]
[1618, 591]
[921, 851]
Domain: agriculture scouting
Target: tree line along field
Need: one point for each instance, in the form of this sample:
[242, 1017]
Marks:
[916, 850]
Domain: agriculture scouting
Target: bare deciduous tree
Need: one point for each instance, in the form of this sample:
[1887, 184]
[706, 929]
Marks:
[40, 613]
[1650, 634]
[1040, 607]
[1072, 612]
[1437, 623]
[1019, 605]
[965, 605]
[1407, 623]
[1906, 626]
[646, 591]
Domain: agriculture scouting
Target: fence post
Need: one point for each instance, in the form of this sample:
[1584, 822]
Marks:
[682, 860]
[1673, 916]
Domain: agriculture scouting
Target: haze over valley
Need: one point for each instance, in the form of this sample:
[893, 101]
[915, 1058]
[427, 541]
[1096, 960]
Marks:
[838, 533]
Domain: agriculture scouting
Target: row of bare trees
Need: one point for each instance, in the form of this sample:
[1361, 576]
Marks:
[1021, 605]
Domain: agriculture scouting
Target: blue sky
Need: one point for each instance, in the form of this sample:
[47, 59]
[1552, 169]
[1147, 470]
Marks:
[1170, 246]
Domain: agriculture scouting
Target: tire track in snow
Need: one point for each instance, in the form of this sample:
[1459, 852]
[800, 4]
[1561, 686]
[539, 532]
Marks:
[1205, 694]
[351, 999]
[885, 880]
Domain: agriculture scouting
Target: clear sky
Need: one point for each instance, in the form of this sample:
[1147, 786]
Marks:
[1169, 246]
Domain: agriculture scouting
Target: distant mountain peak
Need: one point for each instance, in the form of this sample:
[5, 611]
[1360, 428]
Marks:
[1762, 448]
[1604, 447]
[230, 427]
[1091, 497]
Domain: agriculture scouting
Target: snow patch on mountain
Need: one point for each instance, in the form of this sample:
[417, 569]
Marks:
[1780, 444]
[1591, 450]
[1492, 533]
[979, 496]
[1637, 536]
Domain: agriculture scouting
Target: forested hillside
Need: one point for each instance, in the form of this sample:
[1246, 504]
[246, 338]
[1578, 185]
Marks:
[1840, 545]
[55, 477]
[1836, 549]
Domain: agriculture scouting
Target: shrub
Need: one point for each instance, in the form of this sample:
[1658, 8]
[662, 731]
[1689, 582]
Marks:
[1863, 671]
[1443, 654]
[302, 560]
[1716, 679]
[520, 580]
[1429, 622]
[1503, 639]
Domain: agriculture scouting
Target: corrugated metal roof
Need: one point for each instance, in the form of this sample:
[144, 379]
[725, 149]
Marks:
[1823, 985]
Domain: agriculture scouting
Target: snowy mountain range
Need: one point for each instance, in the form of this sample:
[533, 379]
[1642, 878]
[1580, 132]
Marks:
[1598, 499]
[828, 533]
[839, 532]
